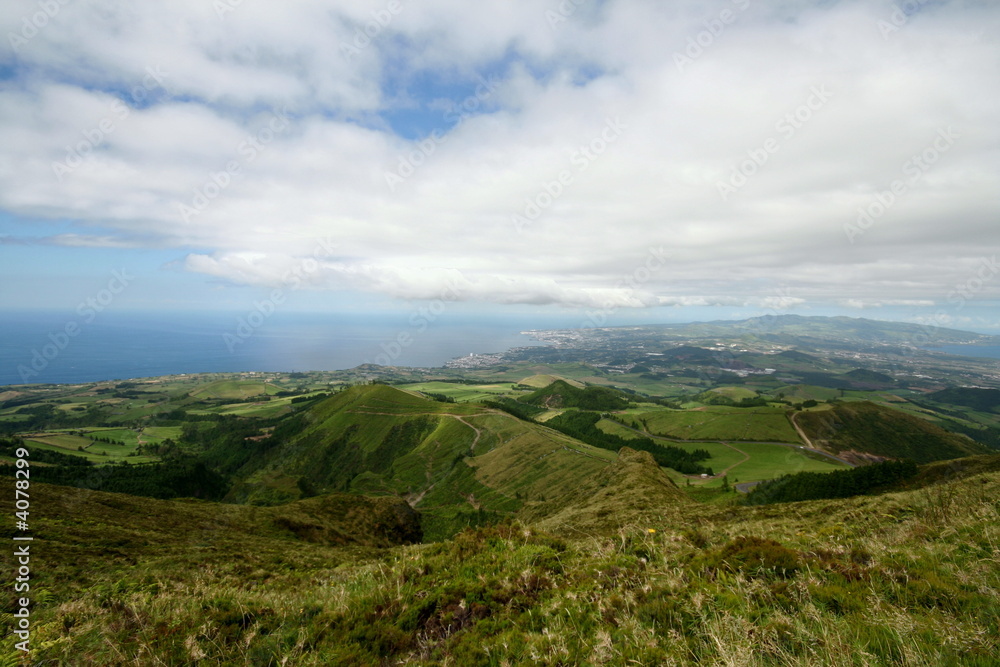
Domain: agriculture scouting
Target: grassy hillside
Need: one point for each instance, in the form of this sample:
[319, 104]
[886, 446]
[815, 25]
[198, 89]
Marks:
[544, 380]
[632, 490]
[460, 464]
[904, 579]
[985, 400]
[869, 428]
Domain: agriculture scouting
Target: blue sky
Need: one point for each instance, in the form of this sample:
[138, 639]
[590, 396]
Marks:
[641, 162]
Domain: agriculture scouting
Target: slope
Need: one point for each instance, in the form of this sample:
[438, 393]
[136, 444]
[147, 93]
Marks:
[906, 578]
[454, 462]
[561, 394]
[632, 490]
[855, 429]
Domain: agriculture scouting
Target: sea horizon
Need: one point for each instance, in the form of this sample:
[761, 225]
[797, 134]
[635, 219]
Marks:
[50, 347]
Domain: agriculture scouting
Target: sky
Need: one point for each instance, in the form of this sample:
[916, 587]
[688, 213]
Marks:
[627, 160]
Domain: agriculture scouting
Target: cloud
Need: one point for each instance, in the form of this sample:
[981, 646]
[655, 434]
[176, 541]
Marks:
[864, 304]
[550, 155]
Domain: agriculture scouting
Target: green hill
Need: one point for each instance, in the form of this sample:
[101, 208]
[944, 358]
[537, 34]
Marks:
[632, 490]
[984, 400]
[459, 464]
[867, 428]
[542, 381]
[561, 394]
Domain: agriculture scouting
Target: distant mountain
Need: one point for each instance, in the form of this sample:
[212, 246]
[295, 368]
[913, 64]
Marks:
[689, 354]
[846, 329]
[858, 330]
[864, 378]
[800, 357]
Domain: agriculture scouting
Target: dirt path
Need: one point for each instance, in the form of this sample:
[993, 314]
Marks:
[414, 499]
[802, 434]
[746, 457]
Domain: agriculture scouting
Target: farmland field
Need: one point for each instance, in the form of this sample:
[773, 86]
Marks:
[753, 424]
[461, 392]
[238, 389]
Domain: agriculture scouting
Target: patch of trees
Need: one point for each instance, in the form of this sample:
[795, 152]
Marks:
[715, 398]
[46, 416]
[441, 398]
[230, 442]
[520, 410]
[583, 427]
[176, 479]
[837, 484]
[310, 399]
[8, 447]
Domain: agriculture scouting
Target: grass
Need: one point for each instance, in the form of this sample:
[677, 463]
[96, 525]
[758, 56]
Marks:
[234, 389]
[66, 442]
[719, 423]
[905, 579]
[743, 461]
[461, 392]
[544, 380]
[98, 453]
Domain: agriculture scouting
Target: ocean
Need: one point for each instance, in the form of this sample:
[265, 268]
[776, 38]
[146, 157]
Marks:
[983, 351]
[46, 347]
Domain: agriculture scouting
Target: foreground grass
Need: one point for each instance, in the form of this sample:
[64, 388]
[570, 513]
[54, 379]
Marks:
[905, 579]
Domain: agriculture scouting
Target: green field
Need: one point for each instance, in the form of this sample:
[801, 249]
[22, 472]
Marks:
[99, 453]
[719, 423]
[462, 393]
[234, 389]
[766, 461]
[63, 441]
[735, 393]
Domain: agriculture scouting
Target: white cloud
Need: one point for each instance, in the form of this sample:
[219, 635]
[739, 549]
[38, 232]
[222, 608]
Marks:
[593, 126]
